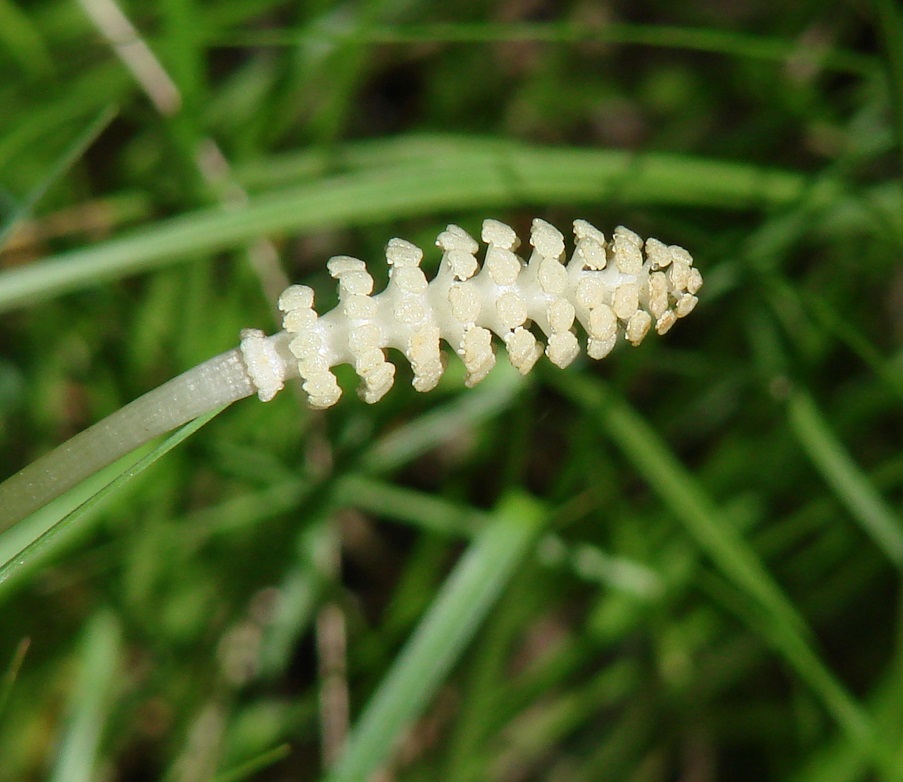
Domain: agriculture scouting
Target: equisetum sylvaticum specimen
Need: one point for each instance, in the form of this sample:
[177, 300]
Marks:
[615, 290]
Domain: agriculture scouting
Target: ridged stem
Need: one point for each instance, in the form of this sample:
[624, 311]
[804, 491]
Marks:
[217, 382]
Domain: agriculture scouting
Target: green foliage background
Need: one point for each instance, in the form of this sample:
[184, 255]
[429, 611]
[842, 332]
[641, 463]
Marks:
[682, 562]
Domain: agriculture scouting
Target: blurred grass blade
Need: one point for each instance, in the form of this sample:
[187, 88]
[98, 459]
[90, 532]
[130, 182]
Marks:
[890, 26]
[12, 673]
[736, 560]
[21, 41]
[698, 39]
[838, 761]
[687, 500]
[857, 724]
[438, 515]
[437, 643]
[71, 156]
[90, 702]
[847, 331]
[17, 538]
[249, 769]
[420, 509]
[300, 594]
[844, 477]
[20, 555]
[132, 51]
[481, 175]
[444, 423]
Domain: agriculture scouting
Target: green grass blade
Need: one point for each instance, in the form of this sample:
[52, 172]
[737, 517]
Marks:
[90, 702]
[441, 637]
[731, 554]
[301, 593]
[57, 519]
[890, 25]
[848, 332]
[428, 512]
[15, 540]
[425, 511]
[247, 770]
[182, 51]
[724, 42]
[685, 497]
[21, 40]
[70, 156]
[481, 175]
[444, 423]
[842, 474]
[12, 673]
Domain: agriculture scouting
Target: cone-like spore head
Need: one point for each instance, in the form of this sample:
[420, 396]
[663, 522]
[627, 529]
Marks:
[609, 290]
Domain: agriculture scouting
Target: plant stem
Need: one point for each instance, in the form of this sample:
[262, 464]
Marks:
[220, 381]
